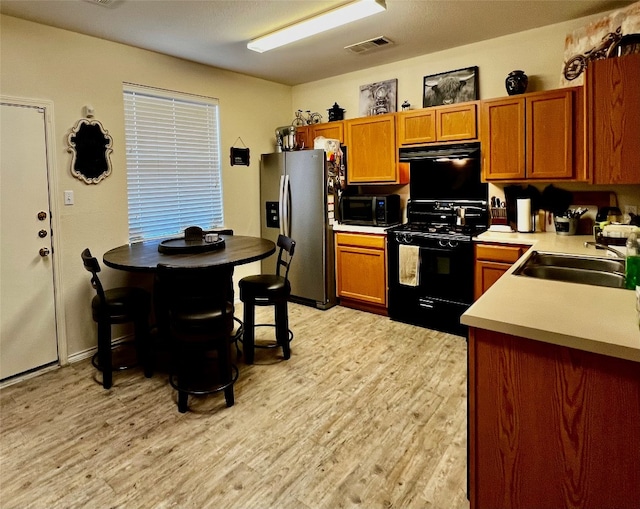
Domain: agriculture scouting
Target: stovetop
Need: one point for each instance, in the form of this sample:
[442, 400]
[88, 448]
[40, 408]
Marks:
[437, 219]
[441, 229]
[440, 232]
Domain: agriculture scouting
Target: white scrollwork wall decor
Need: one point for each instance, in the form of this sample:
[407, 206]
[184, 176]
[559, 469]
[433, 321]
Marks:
[90, 145]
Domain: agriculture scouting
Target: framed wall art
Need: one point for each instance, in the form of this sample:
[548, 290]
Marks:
[451, 87]
[614, 35]
[379, 98]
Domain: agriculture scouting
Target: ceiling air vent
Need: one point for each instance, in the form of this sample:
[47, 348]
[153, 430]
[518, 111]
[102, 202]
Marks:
[104, 3]
[376, 42]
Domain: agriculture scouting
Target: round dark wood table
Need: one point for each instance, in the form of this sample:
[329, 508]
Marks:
[145, 257]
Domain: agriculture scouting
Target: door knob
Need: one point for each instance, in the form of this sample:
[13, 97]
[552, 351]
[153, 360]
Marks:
[42, 215]
[44, 252]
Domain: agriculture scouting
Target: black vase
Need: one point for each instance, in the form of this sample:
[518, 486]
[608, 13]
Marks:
[516, 82]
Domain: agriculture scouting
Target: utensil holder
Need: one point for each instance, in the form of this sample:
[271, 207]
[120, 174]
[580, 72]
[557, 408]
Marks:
[566, 225]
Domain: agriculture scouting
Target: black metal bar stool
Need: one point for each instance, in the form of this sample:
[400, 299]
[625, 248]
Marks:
[114, 306]
[269, 290]
[195, 311]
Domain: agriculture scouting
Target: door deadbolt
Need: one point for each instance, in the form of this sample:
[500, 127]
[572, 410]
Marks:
[42, 215]
[42, 234]
[44, 252]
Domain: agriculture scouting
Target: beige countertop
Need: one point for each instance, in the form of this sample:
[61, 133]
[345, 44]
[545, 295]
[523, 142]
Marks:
[591, 318]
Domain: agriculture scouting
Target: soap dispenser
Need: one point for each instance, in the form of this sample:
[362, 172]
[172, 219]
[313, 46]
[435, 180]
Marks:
[632, 272]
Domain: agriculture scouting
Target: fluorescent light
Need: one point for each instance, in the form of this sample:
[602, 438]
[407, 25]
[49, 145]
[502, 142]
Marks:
[317, 24]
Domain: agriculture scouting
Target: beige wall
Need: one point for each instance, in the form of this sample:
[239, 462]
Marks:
[72, 70]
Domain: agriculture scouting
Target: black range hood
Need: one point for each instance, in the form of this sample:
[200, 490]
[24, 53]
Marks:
[458, 151]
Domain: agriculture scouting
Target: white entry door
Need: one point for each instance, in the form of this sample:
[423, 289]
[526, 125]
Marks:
[27, 301]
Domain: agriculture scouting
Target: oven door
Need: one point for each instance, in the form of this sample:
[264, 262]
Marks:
[446, 272]
[444, 288]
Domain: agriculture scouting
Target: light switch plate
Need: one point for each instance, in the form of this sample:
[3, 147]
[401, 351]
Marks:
[68, 197]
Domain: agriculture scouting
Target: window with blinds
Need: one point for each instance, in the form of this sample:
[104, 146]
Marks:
[174, 177]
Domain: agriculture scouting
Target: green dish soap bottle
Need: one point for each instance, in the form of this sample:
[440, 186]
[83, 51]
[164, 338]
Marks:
[632, 272]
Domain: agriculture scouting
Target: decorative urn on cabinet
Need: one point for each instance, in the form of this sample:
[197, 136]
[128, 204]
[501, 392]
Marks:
[516, 82]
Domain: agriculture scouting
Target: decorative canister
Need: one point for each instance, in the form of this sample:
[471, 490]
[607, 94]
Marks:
[335, 113]
[516, 82]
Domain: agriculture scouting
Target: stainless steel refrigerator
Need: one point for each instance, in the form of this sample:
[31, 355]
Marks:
[294, 195]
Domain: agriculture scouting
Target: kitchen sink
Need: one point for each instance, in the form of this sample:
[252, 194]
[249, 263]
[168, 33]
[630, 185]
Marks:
[575, 269]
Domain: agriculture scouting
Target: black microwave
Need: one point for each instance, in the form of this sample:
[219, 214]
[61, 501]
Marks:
[370, 210]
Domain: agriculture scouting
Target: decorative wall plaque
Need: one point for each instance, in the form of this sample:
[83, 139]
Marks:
[239, 156]
[91, 146]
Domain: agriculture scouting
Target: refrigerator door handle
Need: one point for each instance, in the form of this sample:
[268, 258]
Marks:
[281, 204]
[287, 206]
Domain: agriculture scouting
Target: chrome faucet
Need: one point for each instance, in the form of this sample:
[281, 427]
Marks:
[597, 245]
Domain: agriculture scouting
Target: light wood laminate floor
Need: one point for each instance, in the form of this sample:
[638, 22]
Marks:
[367, 413]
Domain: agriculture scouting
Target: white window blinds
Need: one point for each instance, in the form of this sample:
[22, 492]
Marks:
[173, 162]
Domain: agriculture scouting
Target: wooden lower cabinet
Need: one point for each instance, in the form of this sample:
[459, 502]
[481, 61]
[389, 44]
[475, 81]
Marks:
[550, 426]
[492, 261]
[361, 271]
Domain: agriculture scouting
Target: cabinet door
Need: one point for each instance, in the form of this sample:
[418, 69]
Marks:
[551, 426]
[492, 261]
[361, 268]
[486, 274]
[503, 139]
[456, 123]
[613, 97]
[303, 137]
[332, 130]
[417, 126]
[549, 131]
[371, 150]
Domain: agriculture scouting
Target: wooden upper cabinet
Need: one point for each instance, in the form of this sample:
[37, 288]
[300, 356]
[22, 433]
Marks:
[538, 136]
[371, 150]
[613, 100]
[502, 136]
[332, 130]
[549, 128]
[303, 137]
[457, 122]
[417, 126]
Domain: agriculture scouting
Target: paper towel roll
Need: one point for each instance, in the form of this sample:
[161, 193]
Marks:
[523, 208]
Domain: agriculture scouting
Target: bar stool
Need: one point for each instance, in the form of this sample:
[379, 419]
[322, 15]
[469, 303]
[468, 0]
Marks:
[195, 311]
[269, 290]
[114, 306]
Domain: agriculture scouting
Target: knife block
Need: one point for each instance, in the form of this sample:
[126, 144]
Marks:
[498, 215]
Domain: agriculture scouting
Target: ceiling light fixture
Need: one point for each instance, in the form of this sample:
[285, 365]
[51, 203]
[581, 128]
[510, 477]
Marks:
[321, 23]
